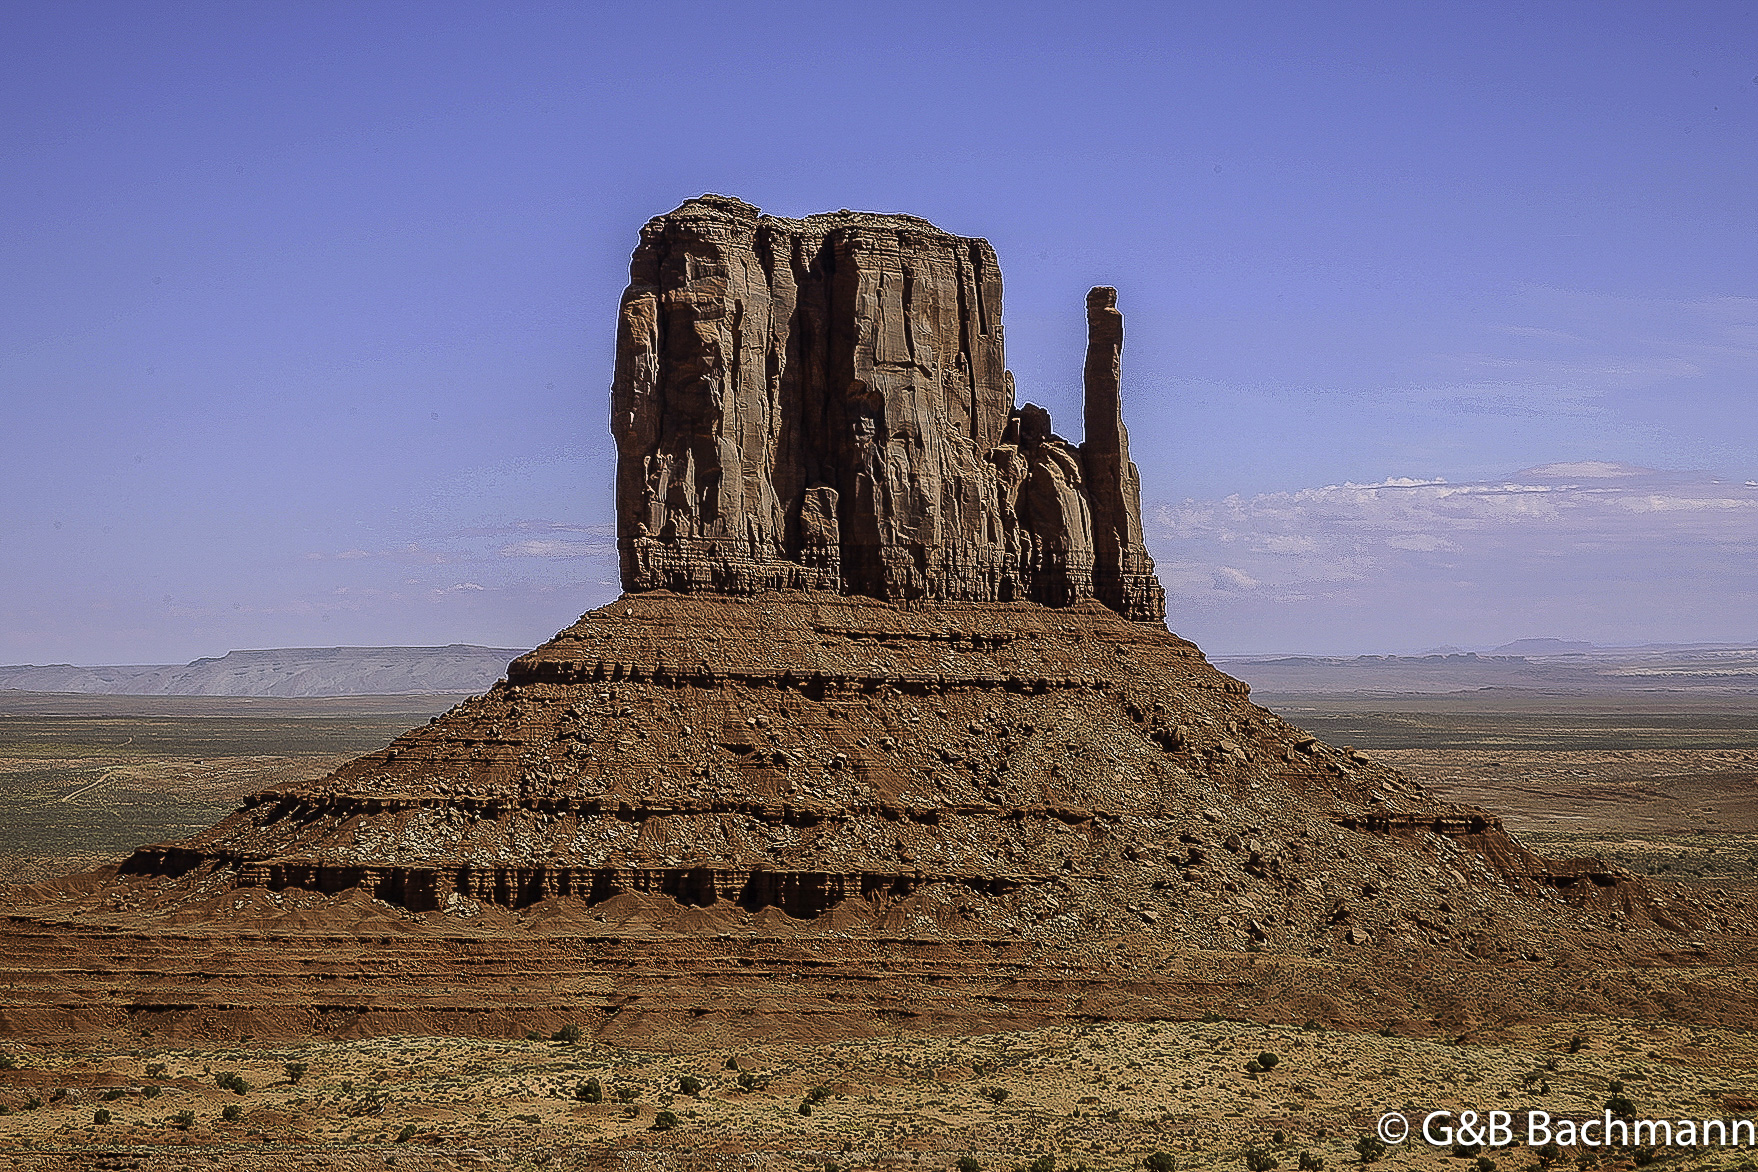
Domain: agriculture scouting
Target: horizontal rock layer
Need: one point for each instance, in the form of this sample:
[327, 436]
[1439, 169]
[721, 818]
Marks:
[824, 404]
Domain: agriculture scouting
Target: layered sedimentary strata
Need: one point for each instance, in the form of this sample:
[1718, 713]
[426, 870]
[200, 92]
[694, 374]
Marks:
[824, 404]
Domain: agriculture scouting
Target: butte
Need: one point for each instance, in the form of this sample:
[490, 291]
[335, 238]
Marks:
[886, 728]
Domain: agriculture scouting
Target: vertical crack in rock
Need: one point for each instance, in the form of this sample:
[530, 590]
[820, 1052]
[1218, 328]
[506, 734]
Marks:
[845, 421]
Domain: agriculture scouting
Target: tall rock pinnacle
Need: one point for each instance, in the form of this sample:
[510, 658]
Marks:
[824, 404]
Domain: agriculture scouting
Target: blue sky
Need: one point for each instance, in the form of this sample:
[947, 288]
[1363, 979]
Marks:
[307, 312]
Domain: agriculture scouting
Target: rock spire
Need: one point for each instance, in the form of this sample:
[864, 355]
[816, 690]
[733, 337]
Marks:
[824, 404]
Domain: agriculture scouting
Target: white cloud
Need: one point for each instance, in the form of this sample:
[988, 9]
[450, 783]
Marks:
[1633, 552]
[553, 549]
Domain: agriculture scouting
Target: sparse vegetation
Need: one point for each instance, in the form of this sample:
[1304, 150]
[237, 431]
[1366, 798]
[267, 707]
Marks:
[1161, 1162]
[1371, 1148]
[1311, 1163]
[295, 1071]
[1258, 1160]
[231, 1112]
[100, 1116]
[690, 1085]
[664, 1121]
[569, 1034]
[231, 1081]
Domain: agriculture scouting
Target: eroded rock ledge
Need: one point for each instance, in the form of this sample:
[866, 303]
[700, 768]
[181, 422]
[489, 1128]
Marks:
[824, 404]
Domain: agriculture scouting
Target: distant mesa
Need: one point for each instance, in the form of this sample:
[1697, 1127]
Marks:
[1544, 647]
[287, 672]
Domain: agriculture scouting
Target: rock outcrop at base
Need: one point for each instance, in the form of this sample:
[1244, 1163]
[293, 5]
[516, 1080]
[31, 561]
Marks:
[824, 404]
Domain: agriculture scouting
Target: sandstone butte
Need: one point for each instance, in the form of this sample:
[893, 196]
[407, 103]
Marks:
[887, 728]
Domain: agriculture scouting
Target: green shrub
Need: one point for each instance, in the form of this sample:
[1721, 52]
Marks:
[570, 1033]
[1371, 1147]
[967, 1164]
[31, 1102]
[100, 1116]
[1044, 1163]
[664, 1121]
[1576, 1044]
[407, 1134]
[628, 1094]
[805, 1106]
[1311, 1163]
[994, 1094]
[155, 1070]
[114, 1093]
[690, 1085]
[1280, 1138]
[149, 1092]
[1485, 1164]
[231, 1112]
[1259, 1160]
[8, 1062]
[1549, 1154]
[747, 1081]
[1267, 1060]
[590, 1091]
[295, 1070]
[183, 1120]
[230, 1081]
[1161, 1162]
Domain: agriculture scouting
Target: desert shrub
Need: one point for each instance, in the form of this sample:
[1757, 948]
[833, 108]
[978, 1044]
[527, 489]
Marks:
[1254, 1067]
[590, 1091]
[149, 1092]
[407, 1134]
[1161, 1162]
[1549, 1154]
[1044, 1163]
[8, 1062]
[31, 1102]
[295, 1070]
[1267, 1060]
[1259, 1160]
[968, 1164]
[1311, 1163]
[183, 1120]
[1576, 1044]
[1280, 1138]
[114, 1093]
[664, 1121]
[229, 1080]
[231, 1112]
[690, 1085]
[1371, 1148]
[732, 1064]
[1464, 1151]
[627, 1094]
[1485, 1164]
[994, 1094]
[4, 1109]
[100, 1116]
[155, 1070]
[1642, 1157]
[747, 1081]
[1618, 1103]
[570, 1034]
[805, 1106]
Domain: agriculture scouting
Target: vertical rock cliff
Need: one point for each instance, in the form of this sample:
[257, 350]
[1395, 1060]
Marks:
[824, 404]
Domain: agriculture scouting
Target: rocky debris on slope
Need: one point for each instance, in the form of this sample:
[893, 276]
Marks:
[966, 769]
[824, 404]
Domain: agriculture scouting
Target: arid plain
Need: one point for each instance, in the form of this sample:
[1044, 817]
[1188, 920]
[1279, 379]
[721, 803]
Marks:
[1660, 783]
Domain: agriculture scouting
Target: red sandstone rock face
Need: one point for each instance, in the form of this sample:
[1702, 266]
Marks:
[824, 404]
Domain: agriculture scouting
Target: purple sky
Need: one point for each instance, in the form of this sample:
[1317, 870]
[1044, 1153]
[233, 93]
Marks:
[1442, 319]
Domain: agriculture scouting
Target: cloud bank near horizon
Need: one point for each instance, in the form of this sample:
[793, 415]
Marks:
[1595, 550]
